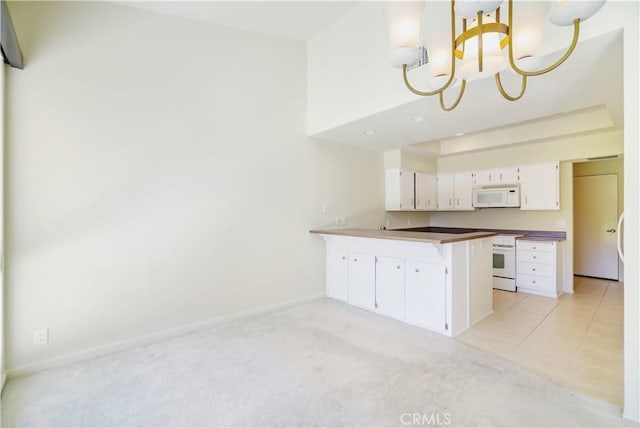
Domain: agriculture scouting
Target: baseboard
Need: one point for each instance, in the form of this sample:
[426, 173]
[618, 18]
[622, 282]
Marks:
[146, 340]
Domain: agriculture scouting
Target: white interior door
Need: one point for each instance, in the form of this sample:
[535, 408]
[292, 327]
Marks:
[595, 212]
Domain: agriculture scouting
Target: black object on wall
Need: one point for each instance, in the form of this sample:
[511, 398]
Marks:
[11, 53]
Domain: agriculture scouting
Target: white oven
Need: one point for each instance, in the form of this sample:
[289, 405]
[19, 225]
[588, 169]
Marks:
[504, 262]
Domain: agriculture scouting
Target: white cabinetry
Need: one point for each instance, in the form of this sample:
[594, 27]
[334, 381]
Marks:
[455, 191]
[445, 192]
[399, 190]
[540, 186]
[538, 267]
[408, 190]
[495, 177]
[390, 286]
[425, 295]
[506, 176]
[362, 280]
[426, 191]
[441, 287]
[338, 274]
[463, 191]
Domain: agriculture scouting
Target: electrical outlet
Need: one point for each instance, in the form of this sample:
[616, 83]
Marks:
[338, 221]
[343, 220]
[41, 336]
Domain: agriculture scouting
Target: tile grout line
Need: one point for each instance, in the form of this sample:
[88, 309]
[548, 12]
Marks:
[585, 333]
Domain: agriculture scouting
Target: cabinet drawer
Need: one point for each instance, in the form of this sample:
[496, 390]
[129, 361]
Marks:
[535, 246]
[538, 269]
[535, 257]
[533, 281]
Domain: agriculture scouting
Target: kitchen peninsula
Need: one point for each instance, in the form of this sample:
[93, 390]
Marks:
[438, 281]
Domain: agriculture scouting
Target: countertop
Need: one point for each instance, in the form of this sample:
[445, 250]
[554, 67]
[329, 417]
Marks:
[404, 235]
[529, 235]
[540, 238]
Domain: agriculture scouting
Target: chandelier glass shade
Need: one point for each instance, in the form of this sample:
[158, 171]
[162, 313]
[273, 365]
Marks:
[486, 43]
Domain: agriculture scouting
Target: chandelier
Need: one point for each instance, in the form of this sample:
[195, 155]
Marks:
[479, 50]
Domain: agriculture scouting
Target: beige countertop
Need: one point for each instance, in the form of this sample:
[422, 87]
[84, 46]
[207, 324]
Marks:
[401, 235]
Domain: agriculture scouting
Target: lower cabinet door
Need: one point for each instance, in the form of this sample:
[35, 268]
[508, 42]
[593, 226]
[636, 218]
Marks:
[338, 274]
[425, 295]
[362, 280]
[390, 287]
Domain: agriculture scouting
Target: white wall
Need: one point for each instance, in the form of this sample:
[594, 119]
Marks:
[632, 214]
[159, 176]
[3, 367]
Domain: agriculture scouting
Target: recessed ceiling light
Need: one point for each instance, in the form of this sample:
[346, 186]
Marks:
[368, 132]
[459, 134]
[417, 119]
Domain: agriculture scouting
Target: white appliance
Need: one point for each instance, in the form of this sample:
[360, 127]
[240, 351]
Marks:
[496, 197]
[504, 262]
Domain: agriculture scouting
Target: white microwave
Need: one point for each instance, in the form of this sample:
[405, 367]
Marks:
[496, 197]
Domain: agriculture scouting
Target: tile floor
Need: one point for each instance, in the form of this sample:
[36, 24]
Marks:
[576, 340]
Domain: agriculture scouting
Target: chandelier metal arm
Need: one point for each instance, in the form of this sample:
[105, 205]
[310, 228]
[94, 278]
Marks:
[453, 63]
[574, 42]
[457, 101]
[504, 93]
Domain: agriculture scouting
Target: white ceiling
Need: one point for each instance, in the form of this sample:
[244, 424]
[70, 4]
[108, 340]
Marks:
[587, 87]
[291, 19]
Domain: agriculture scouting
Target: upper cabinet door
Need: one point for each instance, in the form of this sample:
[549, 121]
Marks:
[445, 192]
[408, 190]
[540, 186]
[482, 177]
[463, 191]
[399, 189]
[505, 176]
[496, 176]
[426, 191]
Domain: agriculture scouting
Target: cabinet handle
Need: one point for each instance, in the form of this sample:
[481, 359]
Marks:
[489, 177]
[534, 248]
[397, 267]
[526, 200]
[450, 202]
[355, 260]
[534, 281]
[417, 270]
[343, 257]
[534, 257]
[458, 201]
[534, 269]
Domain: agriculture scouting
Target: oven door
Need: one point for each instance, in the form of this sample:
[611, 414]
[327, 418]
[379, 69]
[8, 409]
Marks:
[504, 262]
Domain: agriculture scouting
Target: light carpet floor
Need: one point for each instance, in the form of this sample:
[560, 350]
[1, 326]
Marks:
[317, 364]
